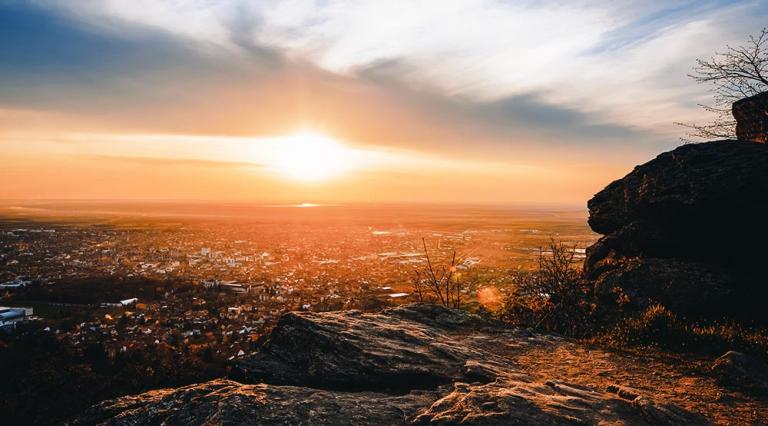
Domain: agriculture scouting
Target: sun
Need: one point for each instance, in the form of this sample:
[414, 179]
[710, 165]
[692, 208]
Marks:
[308, 157]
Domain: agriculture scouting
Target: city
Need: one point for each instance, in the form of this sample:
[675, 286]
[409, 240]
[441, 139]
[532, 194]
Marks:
[110, 286]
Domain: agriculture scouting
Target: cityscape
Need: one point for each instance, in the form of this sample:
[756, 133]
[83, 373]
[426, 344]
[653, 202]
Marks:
[217, 285]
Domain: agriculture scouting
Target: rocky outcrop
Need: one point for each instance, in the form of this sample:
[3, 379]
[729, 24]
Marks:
[686, 229]
[418, 364]
[681, 286]
[403, 349]
[751, 116]
[742, 371]
[224, 402]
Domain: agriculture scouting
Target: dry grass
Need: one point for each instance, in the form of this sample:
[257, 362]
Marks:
[660, 328]
[553, 299]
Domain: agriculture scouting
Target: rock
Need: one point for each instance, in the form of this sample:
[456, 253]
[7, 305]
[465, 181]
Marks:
[742, 371]
[515, 402]
[224, 402]
[666, 191]
[352, 351]
[683, 287]
[703, 208]
[417, 364]
[751, 116]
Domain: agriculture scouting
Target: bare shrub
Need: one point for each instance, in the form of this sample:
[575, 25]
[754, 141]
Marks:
[736, 73]
[551, 299]
[438, 283]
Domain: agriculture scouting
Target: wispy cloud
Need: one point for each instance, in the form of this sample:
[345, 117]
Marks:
[171, 162]
[624, 60]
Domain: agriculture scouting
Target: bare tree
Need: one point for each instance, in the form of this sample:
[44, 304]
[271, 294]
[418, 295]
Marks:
[438, 283]
[737, 73]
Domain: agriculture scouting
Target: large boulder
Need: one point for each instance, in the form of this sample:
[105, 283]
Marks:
[695, 185]
[406, 348]
[418, 365]
[688, 288]
[224, 402]
[701, 210]
[742, 371]
[751, 116]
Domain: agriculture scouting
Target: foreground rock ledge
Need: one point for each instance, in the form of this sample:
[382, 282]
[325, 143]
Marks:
[418, 364]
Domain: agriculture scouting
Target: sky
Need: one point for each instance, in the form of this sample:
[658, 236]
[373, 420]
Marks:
[461, 101]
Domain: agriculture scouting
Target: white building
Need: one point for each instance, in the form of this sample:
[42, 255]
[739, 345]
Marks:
[9, 316]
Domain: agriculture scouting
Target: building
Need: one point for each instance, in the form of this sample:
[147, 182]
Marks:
[10, 316]
[234, 287]
[15, 284]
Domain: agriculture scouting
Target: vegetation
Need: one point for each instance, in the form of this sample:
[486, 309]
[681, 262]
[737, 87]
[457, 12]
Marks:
[37, 368]
[659, 328]
[737, 73]
[438, 283]
[551, 299]
[94, 290]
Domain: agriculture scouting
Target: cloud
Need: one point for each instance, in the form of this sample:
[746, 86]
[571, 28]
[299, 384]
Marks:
[155, 82]
[171, 162]
[616, 59]
[430, 74]
[65, 61]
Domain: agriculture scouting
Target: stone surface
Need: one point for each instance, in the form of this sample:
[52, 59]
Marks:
[683, 287]
[224, 402]
[405, 348]
[418, 364]
[742, 371]
[751, 116]
[701, 209]
[514, 401]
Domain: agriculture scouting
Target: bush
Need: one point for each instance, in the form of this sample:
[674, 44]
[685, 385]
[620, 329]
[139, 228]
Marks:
[47, 380]
[659, 328]
[439, 283]
[656, 326]
[553, 298]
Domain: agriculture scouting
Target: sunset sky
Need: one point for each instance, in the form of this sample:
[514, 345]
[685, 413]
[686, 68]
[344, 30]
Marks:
[505, 102]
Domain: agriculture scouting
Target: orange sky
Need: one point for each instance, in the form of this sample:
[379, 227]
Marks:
[160, 100]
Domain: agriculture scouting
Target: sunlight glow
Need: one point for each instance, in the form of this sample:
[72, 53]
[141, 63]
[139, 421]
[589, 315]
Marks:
[309, 157]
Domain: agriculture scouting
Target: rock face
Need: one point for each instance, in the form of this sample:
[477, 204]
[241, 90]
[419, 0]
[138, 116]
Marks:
[224, 402]
[404, 349]
[418, 364]
[742, 371]
[687, 230]
[751, 116]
